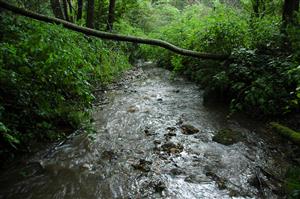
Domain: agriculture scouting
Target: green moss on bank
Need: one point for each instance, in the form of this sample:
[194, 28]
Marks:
[286, 132]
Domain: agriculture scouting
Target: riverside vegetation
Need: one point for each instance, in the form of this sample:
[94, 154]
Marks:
[48, 73]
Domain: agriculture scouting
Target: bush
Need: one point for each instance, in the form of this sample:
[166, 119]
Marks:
[261, 79]
[201, 29]
[260, 83]
[47, 75]
[292, 183]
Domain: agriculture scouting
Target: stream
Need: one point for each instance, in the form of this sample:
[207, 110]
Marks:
[154, 139]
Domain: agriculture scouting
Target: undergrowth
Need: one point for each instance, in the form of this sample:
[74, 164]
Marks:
[262, 78]
[47, 75]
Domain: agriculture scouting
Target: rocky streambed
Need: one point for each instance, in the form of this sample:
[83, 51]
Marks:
[154, 139]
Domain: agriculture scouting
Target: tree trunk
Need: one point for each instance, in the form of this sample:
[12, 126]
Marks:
[288, 17]
[289, 9]
[255, 6]
[90, 14]
[99, 15]
[259, 8]
[71, 17]
[79, 11]
[111, 15]
[56, 8]
[263, 12]
[65, 6]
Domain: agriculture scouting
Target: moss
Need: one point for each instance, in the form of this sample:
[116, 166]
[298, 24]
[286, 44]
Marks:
[292, 182]
[228, 137]
[286, 132]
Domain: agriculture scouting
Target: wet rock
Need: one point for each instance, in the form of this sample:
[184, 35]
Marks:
[188, 129]
[142, 165]
[140, 152]
[257, 181]
[196, 179]
[108, 155]
[156, 149]
[171, 147]
[221, 182]
[228, 137]
[233, 193]
[159, 187]
[172, 128]
[180, 121]
[148, 132]
[168, 138]
[170, 134]
[168, 145]
[132, 109]
[31, 169]
[175, 150]
[202, 136]
[146, 98]
[176, 171]
[163, 156]
[156, 142]
[86, 166]
[254, 181]
[133, 91]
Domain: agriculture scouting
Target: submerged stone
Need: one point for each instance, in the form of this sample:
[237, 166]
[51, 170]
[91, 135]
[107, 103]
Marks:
[159, 187]
[109, 155]
[228, 137]
[196, 179]
[188, 129]
[132, 109]
[156, 142]
[176, 171]
[220, 181]
[148, 132]
[170, 134]
[172, 128]
[142, 165]
[171, 147]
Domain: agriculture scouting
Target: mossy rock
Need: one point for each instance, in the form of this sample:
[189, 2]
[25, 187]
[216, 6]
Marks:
[286, 132]
[228, 137]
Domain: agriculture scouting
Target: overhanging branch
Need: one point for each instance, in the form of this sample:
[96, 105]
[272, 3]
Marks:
[111, 36]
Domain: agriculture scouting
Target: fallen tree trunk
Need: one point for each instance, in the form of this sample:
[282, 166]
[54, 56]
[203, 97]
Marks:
[286, 132]
[110, 36]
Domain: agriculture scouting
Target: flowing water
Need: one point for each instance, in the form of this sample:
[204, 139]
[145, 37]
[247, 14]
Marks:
[140, 150]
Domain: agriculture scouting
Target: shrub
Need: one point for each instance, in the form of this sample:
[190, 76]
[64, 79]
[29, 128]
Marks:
[261, 79]
[47, 75]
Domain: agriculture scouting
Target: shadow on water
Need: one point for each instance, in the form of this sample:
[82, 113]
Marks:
[154, 140]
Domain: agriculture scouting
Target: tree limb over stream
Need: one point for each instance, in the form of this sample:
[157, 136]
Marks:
[111, 36]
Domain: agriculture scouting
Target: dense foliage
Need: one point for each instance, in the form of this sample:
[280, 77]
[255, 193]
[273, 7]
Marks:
[47, 80]
[262, 78]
